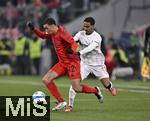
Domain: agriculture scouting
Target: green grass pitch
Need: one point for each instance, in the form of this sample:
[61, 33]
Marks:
[132, 102]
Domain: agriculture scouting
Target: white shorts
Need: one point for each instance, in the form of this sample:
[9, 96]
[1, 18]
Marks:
[99, 71]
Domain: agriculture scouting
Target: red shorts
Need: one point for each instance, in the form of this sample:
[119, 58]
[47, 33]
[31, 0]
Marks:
[72, 69]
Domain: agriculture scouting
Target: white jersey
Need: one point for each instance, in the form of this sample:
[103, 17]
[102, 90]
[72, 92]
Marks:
[90, 48]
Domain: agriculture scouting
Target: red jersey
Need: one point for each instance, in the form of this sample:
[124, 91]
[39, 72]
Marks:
[62, 41]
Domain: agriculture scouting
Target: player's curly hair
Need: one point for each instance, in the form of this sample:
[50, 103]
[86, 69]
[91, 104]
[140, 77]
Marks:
[91, 20]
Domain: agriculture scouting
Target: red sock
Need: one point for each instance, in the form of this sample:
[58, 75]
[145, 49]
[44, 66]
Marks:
[88, 89]
[54, 91]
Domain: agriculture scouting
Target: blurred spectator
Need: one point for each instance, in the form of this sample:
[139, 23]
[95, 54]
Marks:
[21, 53]
[8, 33]
[109, 60]
[111, 39]
[66, 11]
[22, 9]
[52, 3]
[124, 40]
[145, 71]
[62, 10]
[135, 41]
[5, 56]
[39, 7]
[14, 32]
[123, 68]
[120, 56]
[21, 4]
[147, 42]
[35, 49]
[10, 13]
[137, 47]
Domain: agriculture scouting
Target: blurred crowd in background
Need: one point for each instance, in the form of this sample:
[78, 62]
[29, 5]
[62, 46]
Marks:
[23, 53]
[12, 11]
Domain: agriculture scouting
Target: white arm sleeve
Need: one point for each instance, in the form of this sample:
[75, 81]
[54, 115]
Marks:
[77, 36]
[89, 48]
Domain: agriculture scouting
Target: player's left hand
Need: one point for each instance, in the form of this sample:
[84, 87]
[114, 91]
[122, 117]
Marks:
[70, 51]
[30, 25]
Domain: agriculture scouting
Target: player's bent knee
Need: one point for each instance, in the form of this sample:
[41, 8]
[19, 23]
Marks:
[46, 80]
[48, 77]
[77, 89]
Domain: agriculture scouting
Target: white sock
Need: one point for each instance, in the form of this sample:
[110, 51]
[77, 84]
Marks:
[72, 95]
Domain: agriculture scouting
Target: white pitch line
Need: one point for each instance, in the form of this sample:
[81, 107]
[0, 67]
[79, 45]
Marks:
[114, 99]
[119, 87]
[37, 83]
[134, 91]
[133, 86]
[64, 85]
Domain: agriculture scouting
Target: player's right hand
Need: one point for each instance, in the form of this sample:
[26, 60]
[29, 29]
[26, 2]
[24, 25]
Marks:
[30, 25]
[70, 51]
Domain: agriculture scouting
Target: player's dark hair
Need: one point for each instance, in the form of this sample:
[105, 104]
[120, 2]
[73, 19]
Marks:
[91, 20]
[50, 21]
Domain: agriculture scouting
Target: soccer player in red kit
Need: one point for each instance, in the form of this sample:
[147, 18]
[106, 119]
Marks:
[68, 63]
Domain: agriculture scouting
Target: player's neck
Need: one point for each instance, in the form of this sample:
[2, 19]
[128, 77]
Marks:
[88, 33]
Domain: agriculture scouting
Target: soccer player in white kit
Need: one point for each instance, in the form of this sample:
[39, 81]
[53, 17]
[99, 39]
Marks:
[92, 58]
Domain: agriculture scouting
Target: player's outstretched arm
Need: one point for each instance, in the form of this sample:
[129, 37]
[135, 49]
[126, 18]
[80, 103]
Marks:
[39, 33]
[85, 50]
[89, 48]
